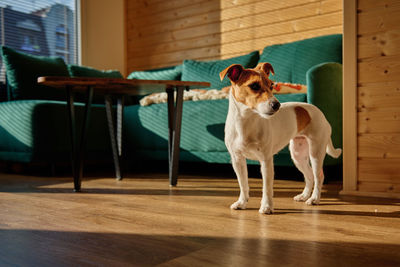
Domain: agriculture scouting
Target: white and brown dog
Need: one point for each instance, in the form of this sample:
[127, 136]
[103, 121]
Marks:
[258, 126]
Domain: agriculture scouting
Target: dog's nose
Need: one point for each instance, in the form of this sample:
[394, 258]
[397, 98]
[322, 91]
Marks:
[275, 105]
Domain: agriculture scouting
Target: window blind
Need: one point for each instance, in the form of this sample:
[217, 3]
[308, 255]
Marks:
[39, 27]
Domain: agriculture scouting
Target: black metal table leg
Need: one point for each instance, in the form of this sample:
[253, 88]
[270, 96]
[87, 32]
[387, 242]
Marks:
[71, 117]
[174, 124]
[120, 117]
[78, 148]
[115, 136]
[171, 117]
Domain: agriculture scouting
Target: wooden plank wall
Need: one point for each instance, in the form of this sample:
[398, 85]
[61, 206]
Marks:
[379, 96]
[163, 33]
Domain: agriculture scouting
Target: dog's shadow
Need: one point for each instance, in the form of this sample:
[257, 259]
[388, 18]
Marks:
[217, 130]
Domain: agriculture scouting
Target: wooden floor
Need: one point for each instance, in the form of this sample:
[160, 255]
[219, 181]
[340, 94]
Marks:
[141, 221]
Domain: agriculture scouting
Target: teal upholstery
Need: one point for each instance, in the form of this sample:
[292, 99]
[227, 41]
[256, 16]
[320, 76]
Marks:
[22, 71]
[208, 71]
[168, 73]
[37, 130]
[84, 71]
[324, 83]
[292, 61]
[202, 130]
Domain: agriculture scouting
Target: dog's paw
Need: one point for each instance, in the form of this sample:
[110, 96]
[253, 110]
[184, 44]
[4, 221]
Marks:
[301, 197]
[312, 201]
[266, 210]
[239, 205]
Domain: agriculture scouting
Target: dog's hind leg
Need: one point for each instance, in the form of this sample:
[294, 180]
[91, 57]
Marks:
[317, 155]
[240, 167]
[299, 152]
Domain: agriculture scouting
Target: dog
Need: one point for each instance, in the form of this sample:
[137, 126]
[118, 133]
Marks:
[258, 126]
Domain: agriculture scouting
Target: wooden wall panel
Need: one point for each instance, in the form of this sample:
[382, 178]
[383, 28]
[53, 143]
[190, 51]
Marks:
[380, 44]
[164, 33]
[383, 121]
[379, 69]
[379, 96]
[379, 146]
[386, 169]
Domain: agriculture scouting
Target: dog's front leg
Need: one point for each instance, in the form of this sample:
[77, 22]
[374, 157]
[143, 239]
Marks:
[267, 171]
[240, 167]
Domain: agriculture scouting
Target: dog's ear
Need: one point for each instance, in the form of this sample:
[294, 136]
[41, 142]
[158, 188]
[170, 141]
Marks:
[266, 68]
[233, 72]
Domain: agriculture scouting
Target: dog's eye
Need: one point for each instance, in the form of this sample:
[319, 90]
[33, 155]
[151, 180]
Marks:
[255, 86]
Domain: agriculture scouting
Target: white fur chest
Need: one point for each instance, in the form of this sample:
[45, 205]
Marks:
[246, 132]
[250, 150]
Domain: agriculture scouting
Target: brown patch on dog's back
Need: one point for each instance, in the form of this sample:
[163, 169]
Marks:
[302, 117]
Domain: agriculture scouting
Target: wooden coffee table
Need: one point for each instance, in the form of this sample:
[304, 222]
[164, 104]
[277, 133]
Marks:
[118, 88]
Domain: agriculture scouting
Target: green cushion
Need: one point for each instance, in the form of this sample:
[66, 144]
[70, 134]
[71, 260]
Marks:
[292, 61]
[291, 97]
[208, 71]
[324, 83]
[83, 71]
[22, 71]
[168, 73]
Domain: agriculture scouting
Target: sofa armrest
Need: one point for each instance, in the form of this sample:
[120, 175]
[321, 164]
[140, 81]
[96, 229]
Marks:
[324, 90]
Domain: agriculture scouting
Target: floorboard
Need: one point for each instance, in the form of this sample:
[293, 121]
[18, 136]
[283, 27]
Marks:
[141, 221]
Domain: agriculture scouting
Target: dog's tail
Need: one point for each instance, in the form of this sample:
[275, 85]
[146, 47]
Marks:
[333, 152]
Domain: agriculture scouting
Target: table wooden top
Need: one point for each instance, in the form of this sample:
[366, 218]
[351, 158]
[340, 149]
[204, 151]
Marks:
[117, 85]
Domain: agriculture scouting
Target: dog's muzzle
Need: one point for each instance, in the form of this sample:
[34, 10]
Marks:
[275, 105]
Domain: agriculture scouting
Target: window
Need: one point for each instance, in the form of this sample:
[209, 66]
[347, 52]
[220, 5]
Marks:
[29, 43]
[46, 28]
[61, 37]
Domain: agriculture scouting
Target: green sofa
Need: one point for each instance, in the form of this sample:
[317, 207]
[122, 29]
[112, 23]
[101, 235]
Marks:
[33, 123]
